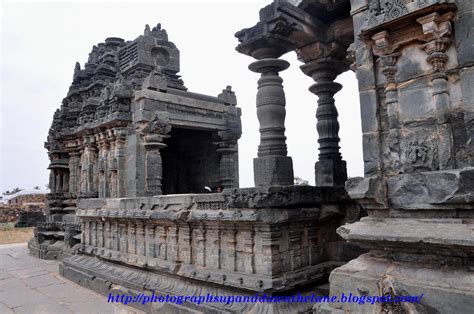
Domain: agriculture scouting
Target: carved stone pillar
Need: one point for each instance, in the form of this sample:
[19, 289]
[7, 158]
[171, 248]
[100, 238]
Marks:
[52, 181]
[120, 141]
[73, 171]
[437, 29]
[91, 165]
[330, 169]
[59, 182]
[227, 149]
[103, 165]
[154, 169]
[112, 165]
[273, 166]
[65, 179]
[388, 59]
[153, 134]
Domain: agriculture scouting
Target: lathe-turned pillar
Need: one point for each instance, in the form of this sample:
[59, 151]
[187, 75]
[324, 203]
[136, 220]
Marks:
[272, 166]
[330, 169]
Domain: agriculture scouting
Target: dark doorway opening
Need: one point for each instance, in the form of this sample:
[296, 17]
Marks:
[190, 162]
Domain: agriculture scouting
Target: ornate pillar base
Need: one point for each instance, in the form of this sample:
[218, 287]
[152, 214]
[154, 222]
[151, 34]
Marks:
[330, 172]
[273, 170]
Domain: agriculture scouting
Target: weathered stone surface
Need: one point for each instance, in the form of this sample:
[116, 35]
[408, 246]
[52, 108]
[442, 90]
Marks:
[273, 170]
[444, 290]
[434, 189]
[122, 130]
[411, 234]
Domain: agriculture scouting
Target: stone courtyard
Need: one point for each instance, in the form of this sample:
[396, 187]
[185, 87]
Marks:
[30, 285]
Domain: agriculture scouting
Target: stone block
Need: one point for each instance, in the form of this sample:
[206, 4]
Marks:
[367, 275]
[434, 189]
[371, 152]
[369, 111]
[464, 29]
[273, 170]
[415, 101]
[411, 64]
[467, 81]
[330, 173]
[368, 191]
[365, 74]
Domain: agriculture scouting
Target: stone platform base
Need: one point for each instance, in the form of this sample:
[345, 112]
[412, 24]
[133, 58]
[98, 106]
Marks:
[445, 289]
[105, 278]
[48, 251]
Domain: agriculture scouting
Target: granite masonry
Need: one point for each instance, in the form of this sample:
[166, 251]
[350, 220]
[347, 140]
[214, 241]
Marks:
[128, 128]
[414, 64]
[131, 151]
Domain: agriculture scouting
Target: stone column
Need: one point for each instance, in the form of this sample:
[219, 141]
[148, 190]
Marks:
[330, 169]
[273, 166]
[153, 133]
[227, 151]
[154, 169]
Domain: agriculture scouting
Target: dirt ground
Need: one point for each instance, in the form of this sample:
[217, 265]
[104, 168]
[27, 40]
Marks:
[10, 234]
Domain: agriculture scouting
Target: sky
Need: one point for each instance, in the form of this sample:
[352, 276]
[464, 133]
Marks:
[41, 42]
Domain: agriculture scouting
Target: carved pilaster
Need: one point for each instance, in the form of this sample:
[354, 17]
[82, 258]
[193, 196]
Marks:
[100, 234]
[123, 243]
[120, 141]
[115, 236]
[229, 257]
[172, 239]
[185, 251]
[93, 231]
[150, 240]
[330, 170]
[273, 166]
[89, 165]
[389, 56]
[140, 240]
[107, 235]
[103, 166]
[437, 30]
[200, 236]
[112, 164]
[161, 236]
[132, 238]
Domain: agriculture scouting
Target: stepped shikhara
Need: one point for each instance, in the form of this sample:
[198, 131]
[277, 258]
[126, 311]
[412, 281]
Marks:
[132, 150]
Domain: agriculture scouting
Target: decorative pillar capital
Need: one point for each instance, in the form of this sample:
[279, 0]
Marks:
[437, 30]
[154, 132]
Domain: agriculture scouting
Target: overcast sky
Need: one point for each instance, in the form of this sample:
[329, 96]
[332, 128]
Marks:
[40, 43]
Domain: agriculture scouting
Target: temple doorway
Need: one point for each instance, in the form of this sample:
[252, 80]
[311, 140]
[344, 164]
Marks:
[190, 162]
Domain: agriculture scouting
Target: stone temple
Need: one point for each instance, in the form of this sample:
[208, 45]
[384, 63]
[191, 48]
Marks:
[131, 151]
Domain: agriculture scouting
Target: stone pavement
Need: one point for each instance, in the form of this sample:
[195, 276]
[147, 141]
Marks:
[31, 285]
